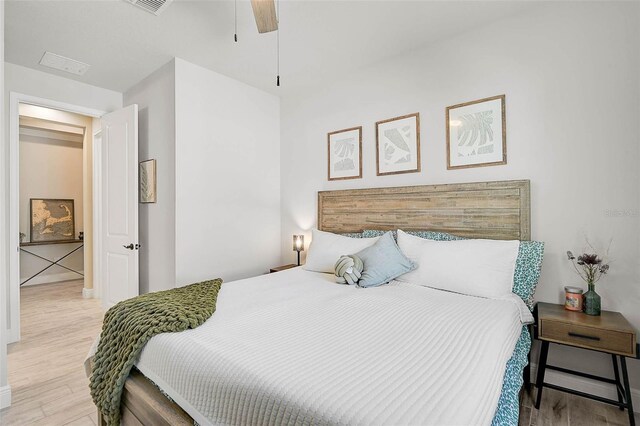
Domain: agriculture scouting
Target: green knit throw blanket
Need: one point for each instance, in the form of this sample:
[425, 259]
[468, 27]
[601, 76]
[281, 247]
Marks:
[129, 325]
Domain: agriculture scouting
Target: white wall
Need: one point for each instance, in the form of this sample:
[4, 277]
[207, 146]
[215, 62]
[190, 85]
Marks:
[227, 177]
[5, 390]
[155, 96]
[570, 72]
[35, 83]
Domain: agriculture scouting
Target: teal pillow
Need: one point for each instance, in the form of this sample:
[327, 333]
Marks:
[528, 262]
[383, 262]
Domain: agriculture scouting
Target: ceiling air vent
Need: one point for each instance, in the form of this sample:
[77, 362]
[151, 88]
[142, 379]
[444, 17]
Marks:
[63, 63]
[153, 6]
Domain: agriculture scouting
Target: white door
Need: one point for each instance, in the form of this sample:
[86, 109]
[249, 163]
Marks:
[119, 203]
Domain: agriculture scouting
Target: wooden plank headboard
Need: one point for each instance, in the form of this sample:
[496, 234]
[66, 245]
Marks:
[495, 210]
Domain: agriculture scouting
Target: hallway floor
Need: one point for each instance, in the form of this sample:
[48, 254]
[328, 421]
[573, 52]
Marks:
[47, 378]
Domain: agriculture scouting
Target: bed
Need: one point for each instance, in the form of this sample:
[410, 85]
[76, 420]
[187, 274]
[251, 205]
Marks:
[296, 348]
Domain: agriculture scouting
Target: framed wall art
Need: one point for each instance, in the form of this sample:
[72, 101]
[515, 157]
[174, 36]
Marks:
[345, 154]
[398, 145]
[476, 133]
[52, 220]
[148, 192]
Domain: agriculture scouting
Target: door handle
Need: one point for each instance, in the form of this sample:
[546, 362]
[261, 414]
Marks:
[129, 247]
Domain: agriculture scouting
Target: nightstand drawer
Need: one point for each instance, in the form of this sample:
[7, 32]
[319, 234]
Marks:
[618, 342]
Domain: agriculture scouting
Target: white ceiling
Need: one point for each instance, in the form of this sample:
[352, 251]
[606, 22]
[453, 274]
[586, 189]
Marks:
[319, 39]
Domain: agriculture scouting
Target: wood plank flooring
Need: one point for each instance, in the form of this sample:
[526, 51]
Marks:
[45, 369]
[58, 326]
[559, 408]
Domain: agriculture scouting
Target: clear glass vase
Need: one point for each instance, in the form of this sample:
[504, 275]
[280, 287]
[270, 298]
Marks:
[592, 301]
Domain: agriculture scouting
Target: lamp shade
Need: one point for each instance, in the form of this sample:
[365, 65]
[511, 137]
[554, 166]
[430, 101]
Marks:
[298, 243]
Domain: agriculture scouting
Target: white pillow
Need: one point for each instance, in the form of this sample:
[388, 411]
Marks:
[481, 268]
[326, 248]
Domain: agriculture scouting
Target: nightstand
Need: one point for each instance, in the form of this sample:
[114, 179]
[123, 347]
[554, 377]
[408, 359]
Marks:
[282, 268]
[609, 333]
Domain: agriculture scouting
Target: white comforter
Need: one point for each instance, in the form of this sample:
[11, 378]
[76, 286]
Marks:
[296, 348]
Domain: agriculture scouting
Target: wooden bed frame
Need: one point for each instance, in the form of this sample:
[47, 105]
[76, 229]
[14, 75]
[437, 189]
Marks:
[495, 210]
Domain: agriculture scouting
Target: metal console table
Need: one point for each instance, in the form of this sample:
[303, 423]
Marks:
[51, 262]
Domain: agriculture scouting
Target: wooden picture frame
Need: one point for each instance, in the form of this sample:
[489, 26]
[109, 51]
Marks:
[148, 185]
[407, 142]
[476, 119]
[342, 156]
[51, 220]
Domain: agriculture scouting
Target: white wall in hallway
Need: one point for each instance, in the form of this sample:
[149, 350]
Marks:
[50, 168]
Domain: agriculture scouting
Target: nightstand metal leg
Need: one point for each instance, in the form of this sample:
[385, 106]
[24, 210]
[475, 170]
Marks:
[542, 366]
[627, 391]
[616, 373]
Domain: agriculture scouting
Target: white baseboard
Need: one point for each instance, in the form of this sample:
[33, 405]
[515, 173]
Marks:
[584, 385]
[87, 293]
[5, 397]
[52, 278]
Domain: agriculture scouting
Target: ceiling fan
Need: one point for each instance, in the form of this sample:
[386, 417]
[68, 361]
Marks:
[265, 14]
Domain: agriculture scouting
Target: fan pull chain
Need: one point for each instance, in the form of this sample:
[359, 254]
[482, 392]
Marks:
[235, 20]
[278, 44]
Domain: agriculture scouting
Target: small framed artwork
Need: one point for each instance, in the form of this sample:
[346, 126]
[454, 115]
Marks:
[398, 145]
[52, 220]
[148, 193]
[477, 133]
[345, 154]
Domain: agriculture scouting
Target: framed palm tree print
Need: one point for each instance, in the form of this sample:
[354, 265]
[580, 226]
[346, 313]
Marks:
[477, 133]
[345, 154]
[398, 145]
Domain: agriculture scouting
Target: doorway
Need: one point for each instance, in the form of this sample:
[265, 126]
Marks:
[110, 235]
[55, 197]
[51, 167]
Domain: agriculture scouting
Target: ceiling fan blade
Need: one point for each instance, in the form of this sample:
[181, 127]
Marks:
[265, 14]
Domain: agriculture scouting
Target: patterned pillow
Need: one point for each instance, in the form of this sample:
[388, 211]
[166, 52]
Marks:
[527, 273]
[372, 233]
[429, 235]
[354, 235]
[528, 262]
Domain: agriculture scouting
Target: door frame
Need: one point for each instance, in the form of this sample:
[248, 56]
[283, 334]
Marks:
[15, 99]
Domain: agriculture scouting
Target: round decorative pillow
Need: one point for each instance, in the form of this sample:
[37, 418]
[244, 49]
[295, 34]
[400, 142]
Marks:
[348, 269]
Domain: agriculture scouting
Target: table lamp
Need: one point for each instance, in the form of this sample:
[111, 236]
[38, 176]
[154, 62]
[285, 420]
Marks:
[298, 245]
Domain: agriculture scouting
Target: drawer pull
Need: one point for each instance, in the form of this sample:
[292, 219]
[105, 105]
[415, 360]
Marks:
[583, 336]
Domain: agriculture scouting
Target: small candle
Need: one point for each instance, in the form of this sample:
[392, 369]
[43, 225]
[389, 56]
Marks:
[573, 299]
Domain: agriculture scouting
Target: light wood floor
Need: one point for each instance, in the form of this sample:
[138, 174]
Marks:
[559, 408]
[47, 379]
[58, 326]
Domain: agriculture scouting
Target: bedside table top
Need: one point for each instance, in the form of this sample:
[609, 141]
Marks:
[610, 332]
[283, 267]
